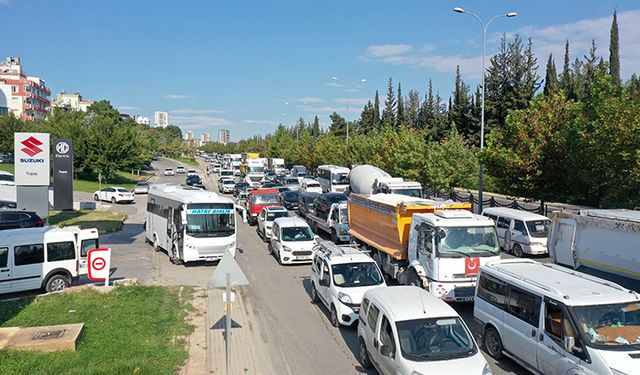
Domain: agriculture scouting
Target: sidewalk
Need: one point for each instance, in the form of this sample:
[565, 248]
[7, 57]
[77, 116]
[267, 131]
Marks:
[249, 354]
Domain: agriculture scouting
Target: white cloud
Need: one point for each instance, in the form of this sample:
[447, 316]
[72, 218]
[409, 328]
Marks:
[177, 96]
[190, 111]
[199, 122]
[307, 100]
[549, 39]
[5, 2]
[259, 122]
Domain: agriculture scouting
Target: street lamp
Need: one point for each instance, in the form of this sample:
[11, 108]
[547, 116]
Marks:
[349, 88]
[484, 51]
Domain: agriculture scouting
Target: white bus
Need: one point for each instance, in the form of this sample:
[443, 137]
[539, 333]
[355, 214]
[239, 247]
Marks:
[44, 258]
[333, 178]
[190, 224]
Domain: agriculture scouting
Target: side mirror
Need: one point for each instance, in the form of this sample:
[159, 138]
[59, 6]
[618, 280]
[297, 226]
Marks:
[386, 351]
[316, 237]
[569, 344]
[324, 282]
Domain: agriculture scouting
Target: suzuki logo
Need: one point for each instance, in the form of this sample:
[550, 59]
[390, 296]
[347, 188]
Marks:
[31, 146]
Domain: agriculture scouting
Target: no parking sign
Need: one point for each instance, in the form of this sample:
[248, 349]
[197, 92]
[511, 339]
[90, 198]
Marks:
[99, 261]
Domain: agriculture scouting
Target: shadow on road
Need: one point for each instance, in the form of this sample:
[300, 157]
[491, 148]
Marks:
[126, 236]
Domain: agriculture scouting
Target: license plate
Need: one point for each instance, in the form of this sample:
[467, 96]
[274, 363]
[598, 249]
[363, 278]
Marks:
[209, 258]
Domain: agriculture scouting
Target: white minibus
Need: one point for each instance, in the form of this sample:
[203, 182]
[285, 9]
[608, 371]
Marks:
[189, 223]
[333, 178]
[520, 232]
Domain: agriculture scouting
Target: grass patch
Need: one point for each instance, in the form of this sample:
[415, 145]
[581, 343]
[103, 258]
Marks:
[190, 161]
[105, 221]
[131, 330]
[7, 167]
[123, 179]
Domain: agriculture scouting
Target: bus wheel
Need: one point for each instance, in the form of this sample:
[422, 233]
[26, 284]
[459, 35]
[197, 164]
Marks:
[155, 243]
[174, 258]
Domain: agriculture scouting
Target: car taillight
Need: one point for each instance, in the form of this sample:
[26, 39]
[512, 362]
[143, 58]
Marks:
[40, 223]
[121, 195]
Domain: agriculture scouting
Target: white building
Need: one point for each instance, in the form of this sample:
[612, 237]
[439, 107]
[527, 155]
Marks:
[223, 136]
[70, 102]
[161, 119]
[188, 136]
[142, 120]
[27, 97]
[204, 139]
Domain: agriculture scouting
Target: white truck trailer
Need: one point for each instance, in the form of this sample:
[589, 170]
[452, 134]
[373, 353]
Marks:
[336, 223]
[602, 240]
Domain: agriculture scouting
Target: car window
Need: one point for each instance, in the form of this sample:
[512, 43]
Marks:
[492, 290]
[386, 334]
[123, 190]
[363, 310]
[504, 223]
[57, 251]
[10, 216]
[28, 254]
[372, 317]
[524, 305]
[4, 256]
[518, 225]
[88, 245]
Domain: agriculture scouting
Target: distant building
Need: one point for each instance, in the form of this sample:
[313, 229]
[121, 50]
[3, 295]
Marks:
[161, 119]
[223, 136]
[188, 136]
[142, 120]
[27, 97]
[70, 102]
[204, 139]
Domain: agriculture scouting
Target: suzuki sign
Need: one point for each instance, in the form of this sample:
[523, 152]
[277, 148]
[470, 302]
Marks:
[32, 159]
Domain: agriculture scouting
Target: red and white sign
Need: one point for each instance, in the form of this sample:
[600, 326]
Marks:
[471, 266]
[99, 261]
[31, 152]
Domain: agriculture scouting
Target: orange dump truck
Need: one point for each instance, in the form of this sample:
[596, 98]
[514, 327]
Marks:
[383, 221]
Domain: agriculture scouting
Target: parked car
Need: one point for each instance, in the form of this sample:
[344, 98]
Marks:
[520, 232]
[240, 186]
[7, 179]
[168, 172]
[292, 241]
[193, 179]
[323, 202]
[114, 194]
[340, 275]
[142, 187]
[289, 199]
[406, 330]
[180, 169]
[555, 320]
[14, 219]
[266, 218]
[226, 185]
[305, 203]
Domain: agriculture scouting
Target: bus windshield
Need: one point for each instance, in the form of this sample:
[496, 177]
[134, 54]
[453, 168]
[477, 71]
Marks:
[340, 178]
[210, 220]
[456, 242]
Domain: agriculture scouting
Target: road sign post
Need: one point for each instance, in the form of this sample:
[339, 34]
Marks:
[99, 261]
[226, 275]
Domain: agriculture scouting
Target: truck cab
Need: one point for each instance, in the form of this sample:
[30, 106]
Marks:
[259, 199]
[445, 251]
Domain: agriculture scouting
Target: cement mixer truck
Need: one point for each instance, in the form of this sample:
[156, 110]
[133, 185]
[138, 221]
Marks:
[367, 179]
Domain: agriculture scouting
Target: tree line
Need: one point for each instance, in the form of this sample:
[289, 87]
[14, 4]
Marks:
[572, 136]
[103, 141]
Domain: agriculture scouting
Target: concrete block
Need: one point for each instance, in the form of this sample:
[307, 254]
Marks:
[84, 205]
[41, 339]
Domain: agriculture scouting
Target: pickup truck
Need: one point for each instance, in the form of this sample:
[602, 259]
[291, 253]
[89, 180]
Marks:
[336, 223]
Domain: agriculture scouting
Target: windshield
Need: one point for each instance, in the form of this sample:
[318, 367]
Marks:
[340, 178]
[226, 173]
[614, 325]
[210, 220]
[271, 216]
[344, 216]
[291, 181]
[538, 228]
[228, 182]
[350, 275]
[291, 196]
[435, 339]
[456, 242]
[123, 191]
[256, 169]
[264, 198]
[142, 184]
[335, 198]
[410, 192]
[297, 234]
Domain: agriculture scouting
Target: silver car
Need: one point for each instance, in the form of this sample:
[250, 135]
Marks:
[141, 188]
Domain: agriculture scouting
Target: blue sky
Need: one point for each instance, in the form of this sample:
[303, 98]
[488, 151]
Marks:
[248, 65]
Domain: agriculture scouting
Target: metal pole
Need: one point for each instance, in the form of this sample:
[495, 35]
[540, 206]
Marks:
[348, 112]
[227, 325]
[484, 49]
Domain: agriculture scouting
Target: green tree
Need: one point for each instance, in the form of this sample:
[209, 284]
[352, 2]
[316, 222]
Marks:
[400, 116]
[389, 111]
[338, 125]
[614, 50]
[461, 112]
[367, 119]
[551, 77]
[376, 110]
[9, 124]
[566, 79]
[315, 128]
[412, 108]
[449, 163]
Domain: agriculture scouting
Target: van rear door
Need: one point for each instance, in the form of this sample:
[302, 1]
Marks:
[88, 239]
[5, 270]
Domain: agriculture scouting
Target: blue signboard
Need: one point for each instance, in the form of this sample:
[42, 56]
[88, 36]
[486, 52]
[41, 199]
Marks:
[209, 211]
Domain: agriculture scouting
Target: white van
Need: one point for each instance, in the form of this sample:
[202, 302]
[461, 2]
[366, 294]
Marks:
[406, 330]
[310, 186]
[557, 321]
[47, 258]
[520, 232]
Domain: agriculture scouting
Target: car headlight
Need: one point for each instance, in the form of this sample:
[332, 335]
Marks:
[344, 298]
[617, 372]
[284, 248]
[487, 370]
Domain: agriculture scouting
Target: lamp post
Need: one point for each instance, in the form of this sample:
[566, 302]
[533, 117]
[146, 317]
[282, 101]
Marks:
[484, 52]
[349, 88]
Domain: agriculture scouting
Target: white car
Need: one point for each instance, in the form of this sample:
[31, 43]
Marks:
[340, 276]
[180, 169]
[169, 172]
[266, 218]
[192, 172]
[311, 186]
[406, 330]
[7, 179]
[292, 241]
[114, 194]
[226, 185]
[216, 168]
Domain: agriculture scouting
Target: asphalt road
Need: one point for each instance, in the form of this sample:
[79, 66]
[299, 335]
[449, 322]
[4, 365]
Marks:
[300, 337]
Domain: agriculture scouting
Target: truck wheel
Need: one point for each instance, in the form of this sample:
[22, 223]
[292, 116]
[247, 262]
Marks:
[517, 250]
[96, 197]
[365, 361]
[492, 343]
[57, 283]
[413, 279]
[334, 317]
[334, 237]
[314, 293]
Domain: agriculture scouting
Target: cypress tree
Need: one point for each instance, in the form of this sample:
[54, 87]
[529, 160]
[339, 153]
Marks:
[551, 78]
[614, 50]
[389, 111]
[400, 116]
[376, 111]
[566, 81]
[315, 130]
[412, 108]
